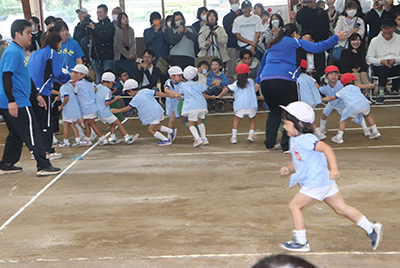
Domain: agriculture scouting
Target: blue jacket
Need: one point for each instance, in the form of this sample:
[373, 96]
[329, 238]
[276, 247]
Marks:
[279, 61]
[157, 41]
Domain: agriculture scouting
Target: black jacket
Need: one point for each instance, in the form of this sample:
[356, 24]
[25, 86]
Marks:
[103, 39]
[374, 21]
[314, 22]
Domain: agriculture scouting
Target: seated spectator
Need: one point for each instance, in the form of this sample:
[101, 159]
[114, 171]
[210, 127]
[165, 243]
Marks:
[383, 53]
[114, 14]
[397, 20]
[258, 9]
[49, 22]
[181, 39]
[321, 4]
[216, 81]
[246, 57]
[374, 19]
[213, 39]
[353, 61]
[148, 74]
[275, 24]
[202, 71]
[124, 39]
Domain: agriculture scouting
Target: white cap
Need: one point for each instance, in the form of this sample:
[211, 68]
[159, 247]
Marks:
[80, 68]
[130, 84]
[301, 111]
[108, 77]
[84, 10]
[190, 72]
[174, 70]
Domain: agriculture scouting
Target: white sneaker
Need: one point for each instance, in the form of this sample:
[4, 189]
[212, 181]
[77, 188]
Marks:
[85, 143]
[374, 135]
[337, 139]
[53, 156]
[205, 141]
[64, 145]
[233, 140]
[132, 139]
[250, 138]
[113, 141]
[197, 142]
[317, 132]
[103, 142]
[367, 132]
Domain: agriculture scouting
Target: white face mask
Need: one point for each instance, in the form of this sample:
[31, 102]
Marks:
[235, 7]
[178, 23]
[33, 28]
[114, 17]
[351, 12]
[169, 24]
[275, 23]
[204, 18]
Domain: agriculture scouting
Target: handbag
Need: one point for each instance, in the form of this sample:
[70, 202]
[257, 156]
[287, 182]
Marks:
[337, 50]
[163, 65]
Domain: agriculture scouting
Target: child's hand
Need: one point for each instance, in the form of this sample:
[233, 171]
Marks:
[334, 174]
[60, 108]
[114, 111]
[285, 171]
[117, 97]
[207, 73]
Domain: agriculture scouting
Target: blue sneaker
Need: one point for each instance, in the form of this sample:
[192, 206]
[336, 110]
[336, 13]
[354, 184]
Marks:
[295, 245]
[376, 235]
[164, 143]
[172, 136]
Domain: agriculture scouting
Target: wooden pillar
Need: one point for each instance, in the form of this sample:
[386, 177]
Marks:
[26, 9]
[122, 5]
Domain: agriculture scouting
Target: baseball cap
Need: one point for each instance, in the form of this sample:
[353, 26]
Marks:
[331, 68]
[130, 84]
[301, 111]
[347, 78]
[246, 4]
[175, 70]
[303, 64]
[190, 72]
[108, 77]
[387, 23]
[80, 68]
[84, 10]
[242, 68]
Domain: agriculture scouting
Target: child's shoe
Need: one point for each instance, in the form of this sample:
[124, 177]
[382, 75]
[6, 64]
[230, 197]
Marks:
[75, 144]
[164, 143]
[294, 245]
[63, 145]
[53, 156]
[132, 139]
[113, 141]
[85, 143]
[250, 138]
[233, 140]
[197, 142]
[172, 136]
[337, 139]
[367, 132]
[374, 135]
[205, 141]
[318, 132]
[376, 235]
[103, 142]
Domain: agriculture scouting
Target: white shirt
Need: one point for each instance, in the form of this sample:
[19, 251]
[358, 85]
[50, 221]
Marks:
[381, 49]
[247, 27]
[145, 80]
[343, 24]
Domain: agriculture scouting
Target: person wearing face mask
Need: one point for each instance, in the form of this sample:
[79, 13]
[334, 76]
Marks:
[168, 21]
[232, 44]
[36, 34]
[202, 20]
[114, 15]
[275, 24]
[375, 17]
[363, 6]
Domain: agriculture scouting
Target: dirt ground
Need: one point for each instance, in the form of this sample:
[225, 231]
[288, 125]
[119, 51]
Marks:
[220, 205]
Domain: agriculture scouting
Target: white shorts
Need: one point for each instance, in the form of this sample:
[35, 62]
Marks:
[109, 120]
[196, 114]
[74, 119]
[157, 121]
[249, 112]
[90, 116]
[364, 111]
[320, 193]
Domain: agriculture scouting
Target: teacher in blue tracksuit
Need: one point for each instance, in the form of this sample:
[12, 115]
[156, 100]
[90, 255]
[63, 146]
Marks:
[278, 73]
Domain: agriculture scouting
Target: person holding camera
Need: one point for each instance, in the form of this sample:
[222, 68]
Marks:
[212, 38]
[350, 22]
[375, 17]
[181, 39]
[80, 31]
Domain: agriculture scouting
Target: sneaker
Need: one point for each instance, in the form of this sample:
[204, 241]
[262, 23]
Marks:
[395, 92]
[64, 145]
[48, 171]
[374, 135]
[367, 132]
[113, 141]
[172, 136]
[32, 156]
[4, 169]
[164, 143]
[132, 139]
[376, 235]
[294, 245]
[380, 99]
[317, 132]
[337, 139]
[205, 141]
[250, 138]
[233, 140]
[75, 144]
[197, 142]
[55, 143]
[103, 142]
[85, 143]
[277, 146]
[53, 156]
[286, 152]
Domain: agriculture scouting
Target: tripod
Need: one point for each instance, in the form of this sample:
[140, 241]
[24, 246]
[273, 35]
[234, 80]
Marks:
[213, 45]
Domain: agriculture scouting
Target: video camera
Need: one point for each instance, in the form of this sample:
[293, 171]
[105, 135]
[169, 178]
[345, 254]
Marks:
[86, 20]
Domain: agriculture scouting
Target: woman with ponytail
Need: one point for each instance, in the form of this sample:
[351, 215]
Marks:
[278, 75]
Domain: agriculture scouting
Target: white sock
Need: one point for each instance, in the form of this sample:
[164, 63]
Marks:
[234, 133]
[366, 225]
[194, 132]
[363, 124]
[55, 139]
[202, 129]
[87, 138]
[101, 138]
[81, 134]
[300, 236]
[166, 129]
[126, 136]
[65, 140]
[251, 132]
[322, 124]
[112, 136]
[78, 140]
[340, 133]
[374, 129]
[160, 136]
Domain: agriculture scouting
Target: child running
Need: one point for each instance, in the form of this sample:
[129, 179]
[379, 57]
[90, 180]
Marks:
[245, 101]
[172, 85]
[355, 104]
[310, 160]
[103, 102]
[149, 110]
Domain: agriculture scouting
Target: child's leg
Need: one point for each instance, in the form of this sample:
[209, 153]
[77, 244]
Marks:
[66, 130]
[92, 124]
[375, 133]
[235, 126]
[75, 130]
[78, 126]
[154, 130]
[299, 202]
[202, 128]
[171, 121]
[87, 128]
[121, 127]
[370, 120]
[252, 126]
[193, 130]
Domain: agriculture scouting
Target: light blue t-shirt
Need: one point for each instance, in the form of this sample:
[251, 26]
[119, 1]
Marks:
[86, 97]
[71, 109]
[147, 106]
[103, 94]
[309, 92]
[329, 91]
[171, 104]
[14, 60]
[69, 52]
[194, 99]
[353, 99]
[311, 166]
[245, 98]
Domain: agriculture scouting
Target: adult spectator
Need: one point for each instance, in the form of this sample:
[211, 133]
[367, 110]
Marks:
[397, 20]
[314, 21]
[15, 107]
[50, 21]
[374, 19]
[212, 38]
[148, 74]
[232, 44]
[384, 55]
[265, 18]
[254, 64]
[124, 39]
[81, 33]
[181, 39]
[156, 39]
[3, 45]
[258, 9]
[278, 74]
[103, 43]
[36, 34]
[248, 29]
[168, 21]
[363, 6]
[114, 14]
[45, 67]
[333, 15]
[201, 18]
[275, 24]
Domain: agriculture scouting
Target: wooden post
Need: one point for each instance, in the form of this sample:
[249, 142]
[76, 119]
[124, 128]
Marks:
[122, 5]
[26, 9]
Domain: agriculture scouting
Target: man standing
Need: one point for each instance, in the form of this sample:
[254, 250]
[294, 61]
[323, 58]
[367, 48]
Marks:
[375, 17]
[80, 32]
[314, 21]
[232, 44]
[114, 14]
[384, 55]
[15, 107]
[102, 43]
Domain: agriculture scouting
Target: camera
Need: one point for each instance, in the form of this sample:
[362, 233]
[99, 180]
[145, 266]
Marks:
[86, 20]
